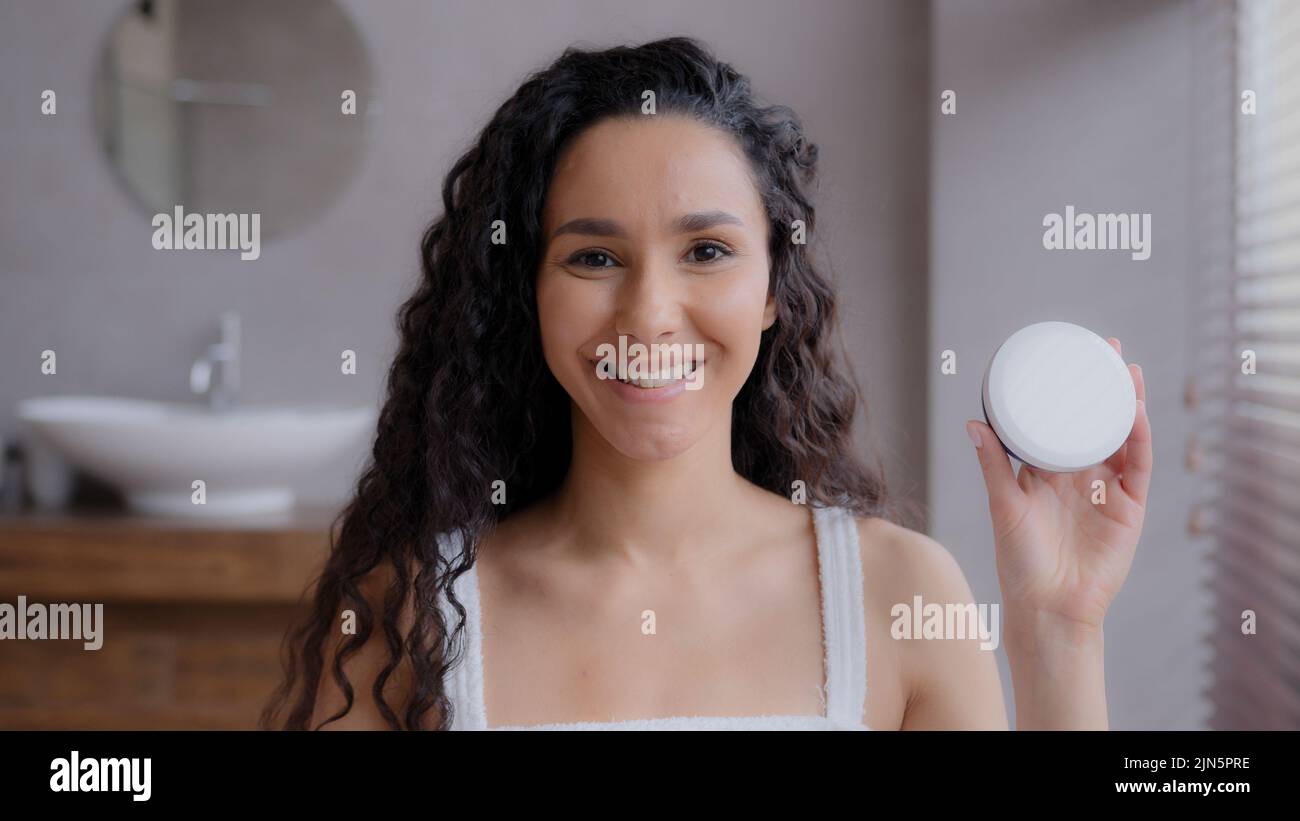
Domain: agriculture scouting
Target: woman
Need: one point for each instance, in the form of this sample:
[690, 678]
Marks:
[541, 543]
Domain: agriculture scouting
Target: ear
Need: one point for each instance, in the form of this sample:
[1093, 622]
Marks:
[769, 312]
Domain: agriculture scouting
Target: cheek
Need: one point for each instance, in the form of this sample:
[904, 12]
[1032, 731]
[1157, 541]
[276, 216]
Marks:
[569, 311]
[734, 316]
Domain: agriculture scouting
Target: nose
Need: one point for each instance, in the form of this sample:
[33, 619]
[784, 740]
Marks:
[649, 305]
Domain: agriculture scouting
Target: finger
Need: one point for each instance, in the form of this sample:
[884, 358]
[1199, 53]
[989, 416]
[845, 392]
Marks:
[1025, 478]
[1029, 476]
[1114, 343]
[1137, 466]
[1117, 459]
[1139, 382]
[999, 477]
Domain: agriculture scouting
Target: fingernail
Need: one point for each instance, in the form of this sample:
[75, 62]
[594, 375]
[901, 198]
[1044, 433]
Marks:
[974, 433]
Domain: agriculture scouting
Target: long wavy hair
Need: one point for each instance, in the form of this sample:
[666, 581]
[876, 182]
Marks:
[470, 399]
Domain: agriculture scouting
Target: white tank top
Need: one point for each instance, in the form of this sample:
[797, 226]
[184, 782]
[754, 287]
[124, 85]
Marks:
[844, 640]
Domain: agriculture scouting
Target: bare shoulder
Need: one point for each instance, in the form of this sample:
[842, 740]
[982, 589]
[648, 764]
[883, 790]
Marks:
[907, 561]
[364, 665]
[946, 682]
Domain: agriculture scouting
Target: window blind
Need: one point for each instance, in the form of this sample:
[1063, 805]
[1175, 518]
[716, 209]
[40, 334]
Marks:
[1244, 384]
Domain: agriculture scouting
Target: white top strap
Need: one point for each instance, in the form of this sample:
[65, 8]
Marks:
[464, 682]
[843, 626]
[843, 617]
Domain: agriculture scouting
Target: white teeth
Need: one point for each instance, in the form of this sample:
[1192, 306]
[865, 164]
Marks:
[688, 369]
[646, 383]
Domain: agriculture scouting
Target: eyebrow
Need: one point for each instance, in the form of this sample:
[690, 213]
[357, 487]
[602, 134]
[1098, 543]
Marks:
[685, 224]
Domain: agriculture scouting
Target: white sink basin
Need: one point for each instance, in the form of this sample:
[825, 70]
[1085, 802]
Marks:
[247, 458]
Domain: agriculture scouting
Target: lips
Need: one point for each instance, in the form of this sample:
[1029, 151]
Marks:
[649, 383]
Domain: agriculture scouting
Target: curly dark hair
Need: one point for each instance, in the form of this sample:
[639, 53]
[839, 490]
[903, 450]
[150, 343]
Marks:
[470, 399]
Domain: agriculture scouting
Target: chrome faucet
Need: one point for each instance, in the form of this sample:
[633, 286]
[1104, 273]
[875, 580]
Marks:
[223, 393]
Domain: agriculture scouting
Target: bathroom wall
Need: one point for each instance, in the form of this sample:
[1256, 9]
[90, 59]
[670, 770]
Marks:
[1086, 104]
[78, 274]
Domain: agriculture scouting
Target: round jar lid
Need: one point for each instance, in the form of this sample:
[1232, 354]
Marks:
[1059, 397]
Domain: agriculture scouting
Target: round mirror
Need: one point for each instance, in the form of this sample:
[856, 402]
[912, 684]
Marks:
[234, 106]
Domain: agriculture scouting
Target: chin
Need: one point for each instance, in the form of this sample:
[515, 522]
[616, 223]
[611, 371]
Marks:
[651, 443]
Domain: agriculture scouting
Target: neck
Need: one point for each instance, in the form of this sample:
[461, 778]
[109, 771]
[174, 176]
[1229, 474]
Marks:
[647, 510]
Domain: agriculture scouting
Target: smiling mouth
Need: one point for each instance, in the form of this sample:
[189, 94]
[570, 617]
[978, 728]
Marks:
[647, 383]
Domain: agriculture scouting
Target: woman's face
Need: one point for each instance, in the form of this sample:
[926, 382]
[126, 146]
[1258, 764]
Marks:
[653, 231]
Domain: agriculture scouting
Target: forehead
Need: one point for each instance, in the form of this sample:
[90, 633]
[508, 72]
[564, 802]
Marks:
[652, 168]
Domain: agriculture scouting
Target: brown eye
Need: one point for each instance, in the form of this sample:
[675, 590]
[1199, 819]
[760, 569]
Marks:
[708, 252]
[592, 259]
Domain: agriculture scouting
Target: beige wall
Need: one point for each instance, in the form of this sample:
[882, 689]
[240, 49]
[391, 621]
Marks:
[78, 274]
[1087, 104]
